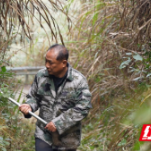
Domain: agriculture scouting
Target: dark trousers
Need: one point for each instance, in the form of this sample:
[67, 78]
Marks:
[40, 145]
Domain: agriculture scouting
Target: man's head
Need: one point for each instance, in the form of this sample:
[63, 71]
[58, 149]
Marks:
[56, 60]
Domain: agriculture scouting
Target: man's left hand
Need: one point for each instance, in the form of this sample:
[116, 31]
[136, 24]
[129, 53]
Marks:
[51, 127]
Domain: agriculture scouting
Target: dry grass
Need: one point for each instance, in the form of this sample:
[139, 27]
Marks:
[112, 48]
[18, 17]
[106, 35]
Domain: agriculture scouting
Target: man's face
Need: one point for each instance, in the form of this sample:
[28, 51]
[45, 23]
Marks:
[54, 67]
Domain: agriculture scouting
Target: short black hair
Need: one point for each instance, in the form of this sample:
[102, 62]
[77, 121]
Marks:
[63, 53]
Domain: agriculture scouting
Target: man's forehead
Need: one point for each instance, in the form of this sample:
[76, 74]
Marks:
[51, 54]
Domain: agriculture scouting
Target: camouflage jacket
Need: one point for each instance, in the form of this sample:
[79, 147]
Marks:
[65, 109]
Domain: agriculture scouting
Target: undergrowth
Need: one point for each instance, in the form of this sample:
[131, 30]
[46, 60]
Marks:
[112, 48]
[110, 44]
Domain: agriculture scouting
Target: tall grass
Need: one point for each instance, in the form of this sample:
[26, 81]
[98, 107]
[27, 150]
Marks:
[16, 26]
[112, 48]
[110, 44]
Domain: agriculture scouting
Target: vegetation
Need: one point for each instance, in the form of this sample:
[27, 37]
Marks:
[110, 44]
[16, 22]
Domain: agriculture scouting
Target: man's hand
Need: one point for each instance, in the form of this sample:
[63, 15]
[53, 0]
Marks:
[25, 108]
[51, 127]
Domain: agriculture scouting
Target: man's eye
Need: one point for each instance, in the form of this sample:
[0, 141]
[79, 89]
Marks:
[47, 61]
[50, 62]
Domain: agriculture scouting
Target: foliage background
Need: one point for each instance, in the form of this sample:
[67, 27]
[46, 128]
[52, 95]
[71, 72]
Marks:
[109, 42]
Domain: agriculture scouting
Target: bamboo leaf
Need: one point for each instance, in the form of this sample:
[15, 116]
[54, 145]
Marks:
[137, 57]
[124, 64]
[95, 17]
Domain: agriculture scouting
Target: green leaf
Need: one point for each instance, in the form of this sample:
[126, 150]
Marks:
[148, 75]
[1, 138]
[138, 78]
[4, 149]
[6, 143]
[137, 57]
[124, 64]
[95, 18]
[123, 142]
[97, 79]
[3, 69]
[129, 53]
[137, 146]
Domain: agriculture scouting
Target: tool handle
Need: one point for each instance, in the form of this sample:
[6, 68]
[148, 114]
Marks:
[31, 113]
[37, 117]
[15, 102]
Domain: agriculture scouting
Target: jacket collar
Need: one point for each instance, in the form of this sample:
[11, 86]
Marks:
[69, 74]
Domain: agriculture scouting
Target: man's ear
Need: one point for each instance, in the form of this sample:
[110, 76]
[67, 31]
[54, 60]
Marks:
[64, 62]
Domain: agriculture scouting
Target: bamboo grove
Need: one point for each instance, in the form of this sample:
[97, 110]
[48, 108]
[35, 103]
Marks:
[109, 42]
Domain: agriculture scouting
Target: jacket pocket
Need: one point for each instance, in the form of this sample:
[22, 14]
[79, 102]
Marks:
[42, 92]
[71, 95]
[69, 99]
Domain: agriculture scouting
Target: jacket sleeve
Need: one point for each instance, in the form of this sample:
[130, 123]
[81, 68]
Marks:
[73, 115]
[32, 98]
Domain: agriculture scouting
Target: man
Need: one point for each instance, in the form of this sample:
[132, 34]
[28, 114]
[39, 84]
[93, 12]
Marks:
[63, 97]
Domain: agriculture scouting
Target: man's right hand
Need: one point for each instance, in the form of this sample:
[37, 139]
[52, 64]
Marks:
[25, 108]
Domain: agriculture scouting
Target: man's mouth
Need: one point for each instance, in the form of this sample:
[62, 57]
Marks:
[48, 70]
